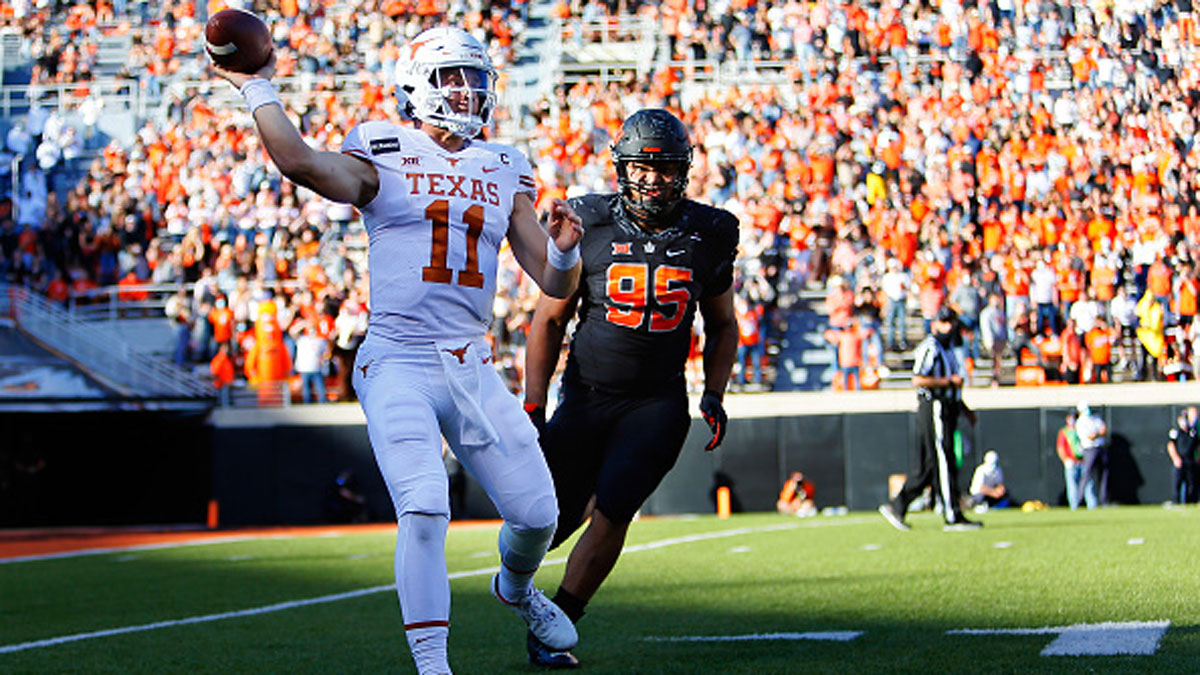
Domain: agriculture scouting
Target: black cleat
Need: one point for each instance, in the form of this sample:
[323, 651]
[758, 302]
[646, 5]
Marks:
[961, 524]
[544, 657]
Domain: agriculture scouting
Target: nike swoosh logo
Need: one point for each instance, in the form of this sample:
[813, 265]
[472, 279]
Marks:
[489, 169]
[676, 252]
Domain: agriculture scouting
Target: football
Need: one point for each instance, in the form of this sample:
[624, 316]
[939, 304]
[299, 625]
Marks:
[237, 40]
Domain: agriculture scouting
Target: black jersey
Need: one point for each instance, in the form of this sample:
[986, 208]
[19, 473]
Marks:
[639, 291]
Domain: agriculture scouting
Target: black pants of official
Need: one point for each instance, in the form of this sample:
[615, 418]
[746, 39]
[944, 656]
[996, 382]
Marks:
[1185, 482]
[936, 422]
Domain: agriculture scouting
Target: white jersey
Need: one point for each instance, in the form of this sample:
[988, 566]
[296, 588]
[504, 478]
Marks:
[435, 229]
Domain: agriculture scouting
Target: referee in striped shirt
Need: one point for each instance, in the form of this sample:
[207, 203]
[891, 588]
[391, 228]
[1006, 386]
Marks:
[938, 377]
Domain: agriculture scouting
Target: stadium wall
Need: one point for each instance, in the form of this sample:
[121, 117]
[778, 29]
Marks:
[104, 468]
[278, 466]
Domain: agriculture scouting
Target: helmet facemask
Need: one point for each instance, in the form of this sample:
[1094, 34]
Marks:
[448, 82]
[651, 198]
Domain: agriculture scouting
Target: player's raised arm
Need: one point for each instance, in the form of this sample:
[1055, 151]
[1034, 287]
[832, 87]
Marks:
[333, 175]
[550, 256]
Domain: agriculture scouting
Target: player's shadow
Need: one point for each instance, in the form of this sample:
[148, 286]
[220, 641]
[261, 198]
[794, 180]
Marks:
[1124, 476]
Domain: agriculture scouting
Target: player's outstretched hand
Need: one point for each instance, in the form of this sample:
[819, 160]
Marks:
[238, 79]
[714, 415]
[564, 225]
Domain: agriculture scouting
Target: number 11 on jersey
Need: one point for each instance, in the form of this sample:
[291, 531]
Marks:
[438, 271]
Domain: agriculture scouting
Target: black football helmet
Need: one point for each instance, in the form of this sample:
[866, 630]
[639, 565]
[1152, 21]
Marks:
[652, 135]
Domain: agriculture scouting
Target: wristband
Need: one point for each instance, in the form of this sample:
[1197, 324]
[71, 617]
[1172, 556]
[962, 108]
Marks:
[561, 260]
[259, 92]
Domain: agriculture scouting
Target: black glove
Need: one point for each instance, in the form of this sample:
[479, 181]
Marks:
[714, 414]
[537, 415]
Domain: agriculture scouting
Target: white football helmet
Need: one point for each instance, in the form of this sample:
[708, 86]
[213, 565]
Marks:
[442, 71]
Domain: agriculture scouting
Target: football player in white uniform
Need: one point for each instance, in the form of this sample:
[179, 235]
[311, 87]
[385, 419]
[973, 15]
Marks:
[437, 202]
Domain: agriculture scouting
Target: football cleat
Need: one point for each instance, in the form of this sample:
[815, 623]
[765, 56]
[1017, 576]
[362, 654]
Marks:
[544, 657]
[894, 518]
[961, 524]
[546, 621]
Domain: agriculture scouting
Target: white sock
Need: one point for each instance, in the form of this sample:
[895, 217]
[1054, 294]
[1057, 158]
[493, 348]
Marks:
[424, 587]
[521, 552]
[428, 647]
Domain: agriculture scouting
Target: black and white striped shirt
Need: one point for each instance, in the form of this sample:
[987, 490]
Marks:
[934, 360]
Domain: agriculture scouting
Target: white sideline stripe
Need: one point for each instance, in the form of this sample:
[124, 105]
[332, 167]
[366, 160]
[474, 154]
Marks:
[292, 604]
[836, 636]
[143, 547]
[1111, 638]
[193, 619]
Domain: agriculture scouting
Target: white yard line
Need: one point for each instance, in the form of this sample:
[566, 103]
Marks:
[836, 636]
[278, 607]
[1111, 638]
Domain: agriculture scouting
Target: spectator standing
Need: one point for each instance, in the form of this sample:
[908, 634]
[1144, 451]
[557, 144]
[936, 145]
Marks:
[312, 359]
[222, 369]
[751, 348]
[1043, 293]
[1072, 353]
[1124, 313]
[848, 343]
[938, 377]
[993, 330]
[1093, 440]
[896, 284]
[1099, 341]
[1071, 455]
[1182, 443]
[965, 301]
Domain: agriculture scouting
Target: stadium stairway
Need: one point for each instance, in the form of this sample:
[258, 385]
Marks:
[94, 350]
[805, 359]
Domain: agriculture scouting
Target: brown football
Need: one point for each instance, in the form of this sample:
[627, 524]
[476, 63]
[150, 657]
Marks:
[237, 40]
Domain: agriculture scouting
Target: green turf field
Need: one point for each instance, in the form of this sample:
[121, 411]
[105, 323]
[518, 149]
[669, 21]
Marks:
[681, 594]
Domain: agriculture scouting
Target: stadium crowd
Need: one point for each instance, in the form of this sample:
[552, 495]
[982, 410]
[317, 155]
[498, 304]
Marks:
[909, 155]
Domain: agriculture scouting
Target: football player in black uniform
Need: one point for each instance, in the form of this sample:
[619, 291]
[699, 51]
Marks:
[651, 257]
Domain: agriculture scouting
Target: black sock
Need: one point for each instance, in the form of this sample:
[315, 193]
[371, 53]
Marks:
[570, 605]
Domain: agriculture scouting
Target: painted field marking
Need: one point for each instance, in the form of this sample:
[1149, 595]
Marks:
[1111, 638]
[835, 636]
[292, 604]
[1136, 542]
[740, 549]
[239, 558]
[1002, 544]
[871, 547]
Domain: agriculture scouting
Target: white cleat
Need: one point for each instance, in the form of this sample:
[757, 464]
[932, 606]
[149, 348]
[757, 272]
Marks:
[546, 621]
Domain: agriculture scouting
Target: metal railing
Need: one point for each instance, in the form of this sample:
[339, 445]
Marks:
[99, 349]
[112, 303]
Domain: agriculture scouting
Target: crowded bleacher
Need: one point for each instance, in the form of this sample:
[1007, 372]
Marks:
[1031, 164]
